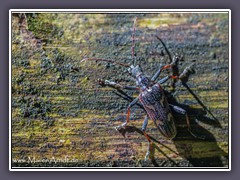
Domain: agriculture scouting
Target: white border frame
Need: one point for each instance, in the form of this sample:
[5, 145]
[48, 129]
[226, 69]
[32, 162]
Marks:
[116, 11]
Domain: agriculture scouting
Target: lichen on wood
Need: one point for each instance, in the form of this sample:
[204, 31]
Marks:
[59, 112]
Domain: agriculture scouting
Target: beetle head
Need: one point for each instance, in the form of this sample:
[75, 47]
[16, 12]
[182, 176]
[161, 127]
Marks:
[135, 70]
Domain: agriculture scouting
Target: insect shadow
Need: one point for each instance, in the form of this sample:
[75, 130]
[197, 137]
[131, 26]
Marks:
[184, 142]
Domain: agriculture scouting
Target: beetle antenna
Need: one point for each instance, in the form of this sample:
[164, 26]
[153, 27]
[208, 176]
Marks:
[105, 60]
[133, 41]
[165, 47]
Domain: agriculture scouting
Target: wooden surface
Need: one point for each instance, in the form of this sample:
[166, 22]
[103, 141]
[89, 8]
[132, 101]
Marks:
[62, 117]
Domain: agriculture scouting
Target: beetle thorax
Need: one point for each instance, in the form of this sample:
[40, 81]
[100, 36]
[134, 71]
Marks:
[141, 80]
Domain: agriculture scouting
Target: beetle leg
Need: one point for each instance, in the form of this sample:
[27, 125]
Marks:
[150, 143]
[128, 112]
[144, 126]
[163, 80]
[145, 123]
[115, 85]
[149, 153]
[184, 112]
[126, 97]
[155, 76]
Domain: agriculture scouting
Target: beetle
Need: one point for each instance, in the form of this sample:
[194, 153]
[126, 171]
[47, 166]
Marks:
[151, 96]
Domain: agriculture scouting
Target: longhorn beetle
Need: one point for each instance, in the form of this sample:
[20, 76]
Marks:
[151, 97]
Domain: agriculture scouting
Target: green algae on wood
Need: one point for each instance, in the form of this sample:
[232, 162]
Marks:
[83, 115]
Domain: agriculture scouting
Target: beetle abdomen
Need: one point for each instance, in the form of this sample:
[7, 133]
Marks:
[156, 105]
[167, 127]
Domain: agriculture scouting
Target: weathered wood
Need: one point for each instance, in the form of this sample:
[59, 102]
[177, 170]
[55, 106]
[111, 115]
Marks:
[59, 112]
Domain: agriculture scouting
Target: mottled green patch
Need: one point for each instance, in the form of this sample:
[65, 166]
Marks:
[161, 20]
[58, 108]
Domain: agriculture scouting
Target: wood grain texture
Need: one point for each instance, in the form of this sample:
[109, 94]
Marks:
[62, 117]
